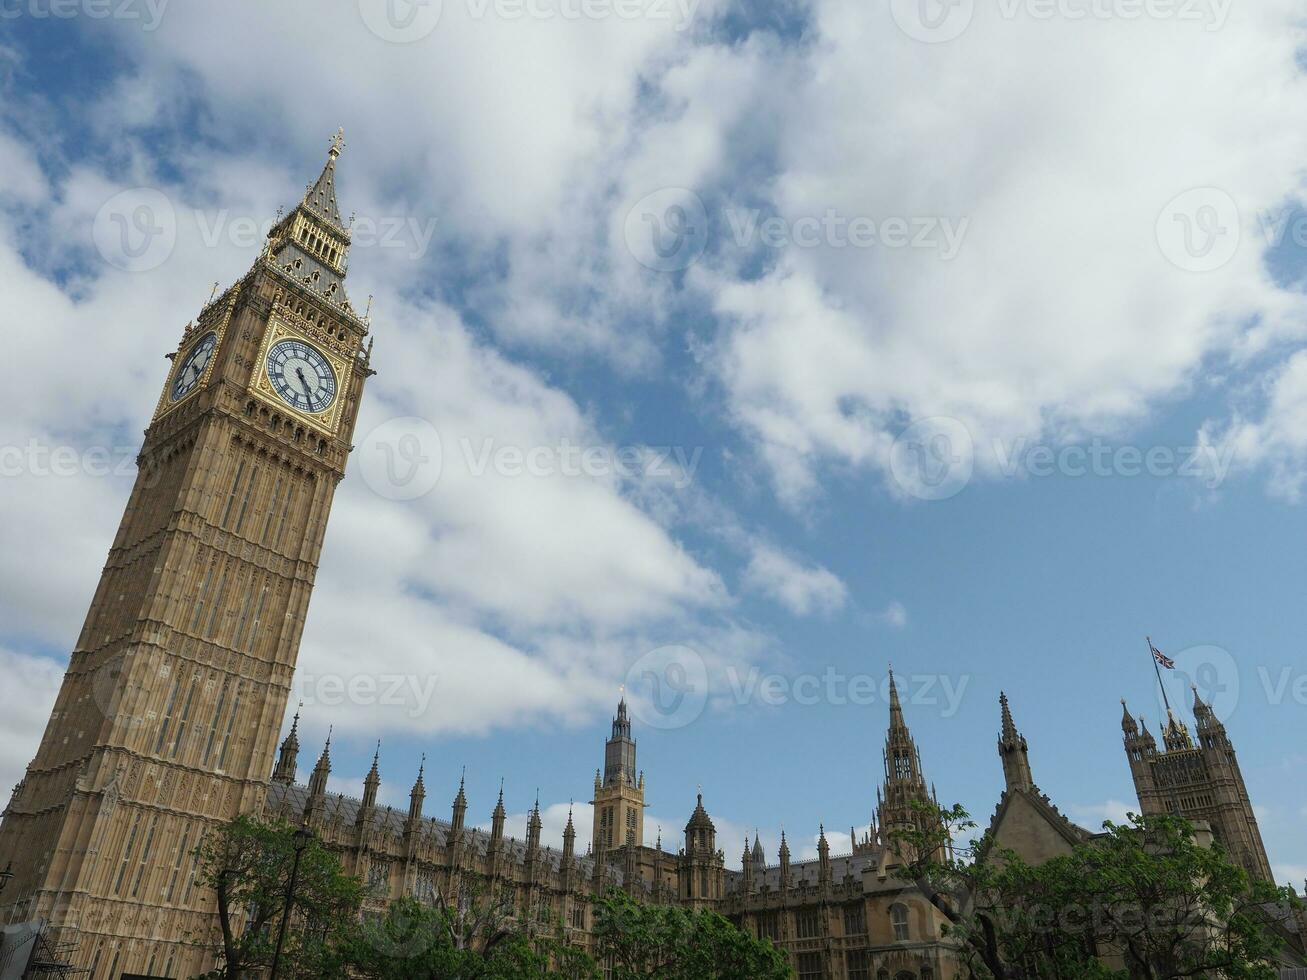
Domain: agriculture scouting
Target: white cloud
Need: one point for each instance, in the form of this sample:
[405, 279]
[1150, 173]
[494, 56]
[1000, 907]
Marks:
[895, 615]
[800, 588]
[1276, 442]
[1092, 815]
[1060, 314]
[31, 684]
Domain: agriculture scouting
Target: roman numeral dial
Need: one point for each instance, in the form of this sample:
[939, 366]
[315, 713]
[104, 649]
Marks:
[302, 376]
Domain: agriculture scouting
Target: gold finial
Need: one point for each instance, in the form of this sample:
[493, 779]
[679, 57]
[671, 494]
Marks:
[337, 143]
[213, 293]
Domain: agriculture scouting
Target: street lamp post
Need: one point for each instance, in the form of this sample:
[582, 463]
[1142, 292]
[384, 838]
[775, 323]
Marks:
[302, 838]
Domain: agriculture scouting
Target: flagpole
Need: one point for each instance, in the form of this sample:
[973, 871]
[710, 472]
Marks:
[1158, 671]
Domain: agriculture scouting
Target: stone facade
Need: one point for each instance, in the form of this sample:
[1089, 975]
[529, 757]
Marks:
[1201, 781]
[839, 916]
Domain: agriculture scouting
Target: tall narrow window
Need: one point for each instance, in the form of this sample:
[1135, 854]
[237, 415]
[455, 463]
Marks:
[146, 851]
[200, 597]
[271, 512]
[245, 501]
[128, 849]
[217, 720]
[231, 498]
[215, 607]
[167, 716]
[185, 718]
[231, 722]
[898, 916]
[182, 854]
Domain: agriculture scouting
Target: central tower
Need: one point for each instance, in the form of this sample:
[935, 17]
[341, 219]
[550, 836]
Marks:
[619, 793]
[167, 719]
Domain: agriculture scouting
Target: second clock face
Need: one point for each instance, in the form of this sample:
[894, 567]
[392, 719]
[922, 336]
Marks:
[192, 367]
[301, 375]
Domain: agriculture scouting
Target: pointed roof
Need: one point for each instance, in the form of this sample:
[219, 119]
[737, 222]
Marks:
[895, 708]
[759, 857]
[461, 799]
[292, 740]
[1128, 724]
[374, 777]
[700, 817]
[785, 848]
[320, 198]
[1010, 733]
[419, 787]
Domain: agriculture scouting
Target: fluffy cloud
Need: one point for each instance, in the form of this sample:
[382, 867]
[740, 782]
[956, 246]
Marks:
[1278, 440]
[1071, 304]
[802, 589]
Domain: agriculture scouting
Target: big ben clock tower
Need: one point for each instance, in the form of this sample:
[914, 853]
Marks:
[167, 718]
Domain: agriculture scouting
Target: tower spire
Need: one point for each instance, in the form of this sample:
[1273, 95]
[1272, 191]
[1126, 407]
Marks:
[289, 754]
[1013, 752]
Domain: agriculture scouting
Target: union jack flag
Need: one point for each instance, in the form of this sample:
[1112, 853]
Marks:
[1161, 658]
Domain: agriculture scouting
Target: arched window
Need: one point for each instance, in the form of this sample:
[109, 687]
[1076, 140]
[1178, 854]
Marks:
[898, 917]
[927, 973]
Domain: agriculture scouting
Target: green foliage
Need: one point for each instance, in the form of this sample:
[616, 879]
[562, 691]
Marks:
[672, 943]
[247, 864]
[1141, 900]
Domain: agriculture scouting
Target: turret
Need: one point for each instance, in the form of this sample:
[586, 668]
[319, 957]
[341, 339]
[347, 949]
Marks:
[284, 773]
[316, 801]
[1013, 752]
[1175, 734]
[416, 796]
[746, 868]
[823, 857]
[569, 838]
[459, 811]
[497, 820]
[371, 782]
[907, 805]
[785, 861]
[533, 827]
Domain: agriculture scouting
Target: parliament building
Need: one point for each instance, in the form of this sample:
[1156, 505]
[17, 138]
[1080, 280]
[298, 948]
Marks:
[169, 715]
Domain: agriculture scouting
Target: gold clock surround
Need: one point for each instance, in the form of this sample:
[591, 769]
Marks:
[284, 324]
[194, 336]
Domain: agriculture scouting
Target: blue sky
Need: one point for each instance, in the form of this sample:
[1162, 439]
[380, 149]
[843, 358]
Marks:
[1023, 290]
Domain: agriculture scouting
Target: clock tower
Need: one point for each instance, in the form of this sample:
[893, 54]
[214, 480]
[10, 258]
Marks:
[167, 719]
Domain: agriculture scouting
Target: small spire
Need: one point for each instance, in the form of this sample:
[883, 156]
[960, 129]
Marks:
[337, 143]
[1009, 727]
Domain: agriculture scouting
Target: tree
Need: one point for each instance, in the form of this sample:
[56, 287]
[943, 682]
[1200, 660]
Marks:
[673, 943]
[1142, 900]
[247, 864]
[472, 938]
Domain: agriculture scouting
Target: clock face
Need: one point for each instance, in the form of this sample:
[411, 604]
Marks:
[192, 367]
[302, 376]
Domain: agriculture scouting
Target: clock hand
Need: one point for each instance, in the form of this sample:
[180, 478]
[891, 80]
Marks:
[303, 380]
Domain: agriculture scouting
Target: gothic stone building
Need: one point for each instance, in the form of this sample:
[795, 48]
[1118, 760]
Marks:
[167, 719]
[839, 916]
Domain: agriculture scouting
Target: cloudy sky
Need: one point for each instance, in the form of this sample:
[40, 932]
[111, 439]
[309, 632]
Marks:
[730, 351]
